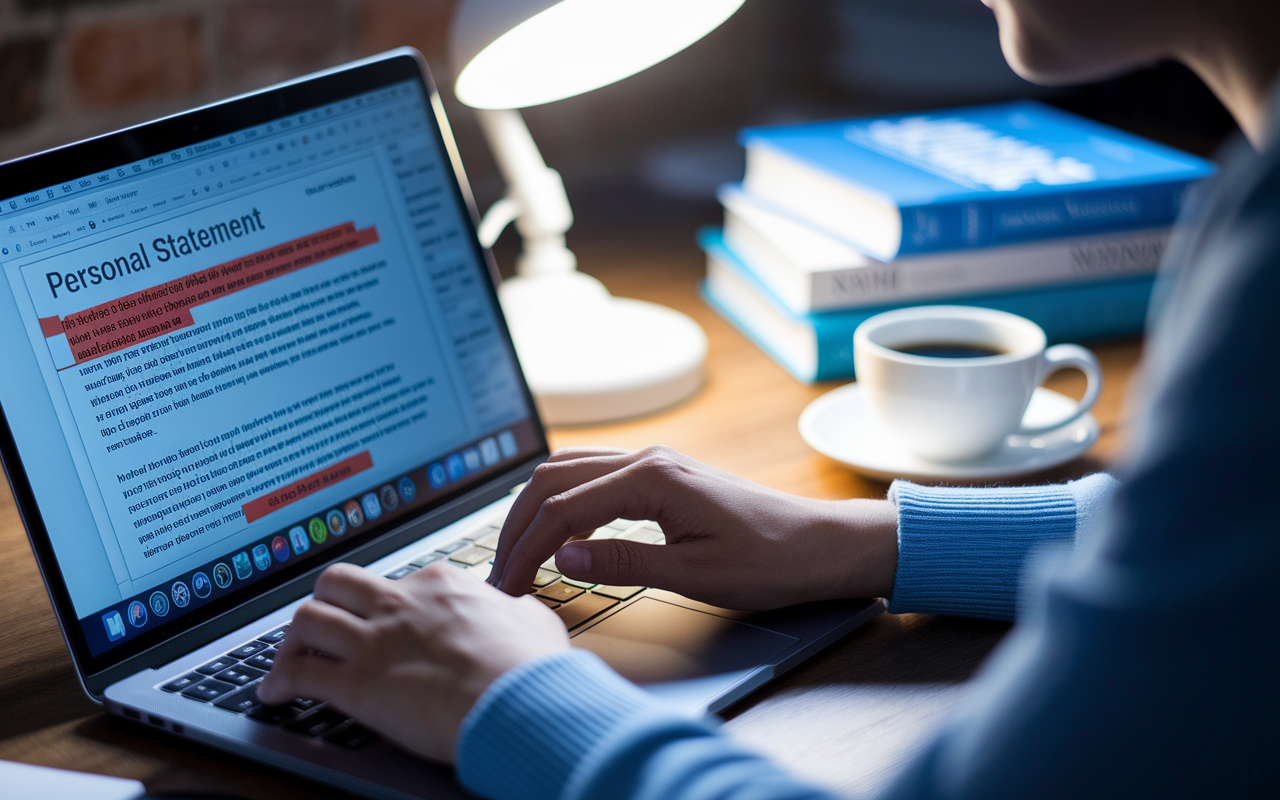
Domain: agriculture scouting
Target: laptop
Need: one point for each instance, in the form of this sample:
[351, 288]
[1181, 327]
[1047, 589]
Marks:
[257, 338]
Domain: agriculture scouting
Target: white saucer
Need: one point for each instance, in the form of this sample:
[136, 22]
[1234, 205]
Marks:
[841, 425]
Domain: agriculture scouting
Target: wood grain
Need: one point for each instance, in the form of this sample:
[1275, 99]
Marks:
[846, 719]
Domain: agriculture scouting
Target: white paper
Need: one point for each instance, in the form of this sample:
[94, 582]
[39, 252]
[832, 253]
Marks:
[28, 782]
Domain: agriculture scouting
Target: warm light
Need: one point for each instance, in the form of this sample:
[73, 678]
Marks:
[579, 45]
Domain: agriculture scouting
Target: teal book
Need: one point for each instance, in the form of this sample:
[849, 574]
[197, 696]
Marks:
[819, 346]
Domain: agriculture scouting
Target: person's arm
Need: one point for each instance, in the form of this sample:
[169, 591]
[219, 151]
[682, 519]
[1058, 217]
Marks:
[962, 551]
[737, 544]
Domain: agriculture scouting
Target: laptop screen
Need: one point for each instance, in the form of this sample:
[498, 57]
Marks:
[226, 361]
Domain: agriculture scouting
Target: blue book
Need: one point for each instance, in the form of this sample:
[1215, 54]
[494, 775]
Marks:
[819, 346]
[967, 177]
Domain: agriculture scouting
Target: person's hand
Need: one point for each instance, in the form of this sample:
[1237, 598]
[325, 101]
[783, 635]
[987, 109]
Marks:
[730, 542]
[408, 658]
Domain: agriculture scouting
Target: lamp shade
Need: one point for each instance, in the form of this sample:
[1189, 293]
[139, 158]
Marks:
[520, 53]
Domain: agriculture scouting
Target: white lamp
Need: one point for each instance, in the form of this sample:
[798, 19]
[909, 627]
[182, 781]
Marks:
[588, 356]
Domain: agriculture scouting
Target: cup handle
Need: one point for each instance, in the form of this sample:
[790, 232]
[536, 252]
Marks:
[1068, 356]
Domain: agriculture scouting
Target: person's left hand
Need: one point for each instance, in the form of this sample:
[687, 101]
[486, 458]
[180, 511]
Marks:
[408, 658]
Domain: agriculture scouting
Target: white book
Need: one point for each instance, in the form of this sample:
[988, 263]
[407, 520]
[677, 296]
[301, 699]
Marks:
[810, 270]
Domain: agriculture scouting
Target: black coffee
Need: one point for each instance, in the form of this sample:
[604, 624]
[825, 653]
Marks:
[950, 350]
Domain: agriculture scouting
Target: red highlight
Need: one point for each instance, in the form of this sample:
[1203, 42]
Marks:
[166, 307]
[259, 507]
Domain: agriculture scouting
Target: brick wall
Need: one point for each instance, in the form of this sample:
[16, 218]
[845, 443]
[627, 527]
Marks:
[70, 69]
[75, 68]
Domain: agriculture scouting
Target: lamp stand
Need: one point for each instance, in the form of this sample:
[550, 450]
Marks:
[588, 356]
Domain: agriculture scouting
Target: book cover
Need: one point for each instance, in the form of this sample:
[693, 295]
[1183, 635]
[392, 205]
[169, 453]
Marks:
[819, 346]
[809, 270]
[967, 177]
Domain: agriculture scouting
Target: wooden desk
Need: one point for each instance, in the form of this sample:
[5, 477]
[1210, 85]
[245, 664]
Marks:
[846, 718]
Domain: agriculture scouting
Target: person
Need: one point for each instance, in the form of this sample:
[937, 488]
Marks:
[1143, 660]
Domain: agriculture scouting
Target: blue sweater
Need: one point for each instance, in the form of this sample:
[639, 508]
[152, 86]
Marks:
[1144, 662]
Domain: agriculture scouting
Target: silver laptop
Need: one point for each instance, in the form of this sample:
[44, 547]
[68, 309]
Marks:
[254, 339]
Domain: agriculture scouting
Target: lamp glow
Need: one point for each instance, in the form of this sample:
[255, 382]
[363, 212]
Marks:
[579, 45]
[587, 356]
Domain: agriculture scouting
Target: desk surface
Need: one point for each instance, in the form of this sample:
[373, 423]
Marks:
[845, 719]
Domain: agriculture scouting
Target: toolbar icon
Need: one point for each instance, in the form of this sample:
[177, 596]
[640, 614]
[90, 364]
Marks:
[114, 625]
[137, 614]
[159, 603]
[261, 557]
[200, 585]
[337, 522]
[222, 575]
[298, 537]
[318, 530]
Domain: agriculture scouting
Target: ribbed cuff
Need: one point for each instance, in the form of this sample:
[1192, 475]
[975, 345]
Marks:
[537, 723]
[961, 551]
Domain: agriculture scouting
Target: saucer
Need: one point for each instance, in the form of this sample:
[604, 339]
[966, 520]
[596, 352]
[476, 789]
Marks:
[841, 425]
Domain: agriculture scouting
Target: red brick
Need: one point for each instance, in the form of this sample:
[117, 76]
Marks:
[123, 62]
[293, 35]
[423, 24]
[22, 70]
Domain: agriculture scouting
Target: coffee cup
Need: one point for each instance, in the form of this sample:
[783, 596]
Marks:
[952, 382]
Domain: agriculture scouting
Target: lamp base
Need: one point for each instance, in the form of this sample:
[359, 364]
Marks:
[591, 357]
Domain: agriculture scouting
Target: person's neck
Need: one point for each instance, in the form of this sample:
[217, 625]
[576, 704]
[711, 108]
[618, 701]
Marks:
[1235, 51]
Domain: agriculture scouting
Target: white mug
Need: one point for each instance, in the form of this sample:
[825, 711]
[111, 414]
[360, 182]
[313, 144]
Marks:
[952, 409]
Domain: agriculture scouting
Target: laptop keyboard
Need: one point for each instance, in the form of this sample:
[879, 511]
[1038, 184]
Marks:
[230, 682]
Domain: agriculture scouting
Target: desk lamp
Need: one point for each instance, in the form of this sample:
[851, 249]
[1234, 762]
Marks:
[588, 356]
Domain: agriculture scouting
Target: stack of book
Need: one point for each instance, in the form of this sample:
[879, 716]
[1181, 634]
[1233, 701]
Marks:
[1017, 206]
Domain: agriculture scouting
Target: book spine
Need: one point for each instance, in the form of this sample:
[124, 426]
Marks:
[996, 269]
[1067, 314]
[935, 227]
[1075, 313]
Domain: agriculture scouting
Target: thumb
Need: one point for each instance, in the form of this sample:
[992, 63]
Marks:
[619, 562]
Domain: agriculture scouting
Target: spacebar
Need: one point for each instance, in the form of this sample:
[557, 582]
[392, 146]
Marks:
[584, 608]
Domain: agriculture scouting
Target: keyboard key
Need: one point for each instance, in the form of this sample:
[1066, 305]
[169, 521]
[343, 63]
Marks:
[453, 547]
[481, 570]
[352, 737]
[217, 665]
[396, 575]
[422, 561]
[304, 703]
[559, 592]
[472, 555]
[616, 592]
[240, 675]
[247, 649]
[207, 690]
[549, 603]
[622, 524]
[244, 700]
[276, 636]
[544, 577]
[273, 715]
[263, 661]
[490, 539]
[584, 608]
[579, 584]
[183, 682]
[317, 723]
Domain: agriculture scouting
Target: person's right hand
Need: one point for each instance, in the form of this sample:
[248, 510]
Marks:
[730, 542]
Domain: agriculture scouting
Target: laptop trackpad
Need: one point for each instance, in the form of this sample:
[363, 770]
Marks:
[651, 641]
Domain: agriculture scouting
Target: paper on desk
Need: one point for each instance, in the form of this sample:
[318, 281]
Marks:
[27, 782]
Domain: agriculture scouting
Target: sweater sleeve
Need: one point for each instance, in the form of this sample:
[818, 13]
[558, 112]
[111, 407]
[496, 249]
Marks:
[566, 726]
[961, 551]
